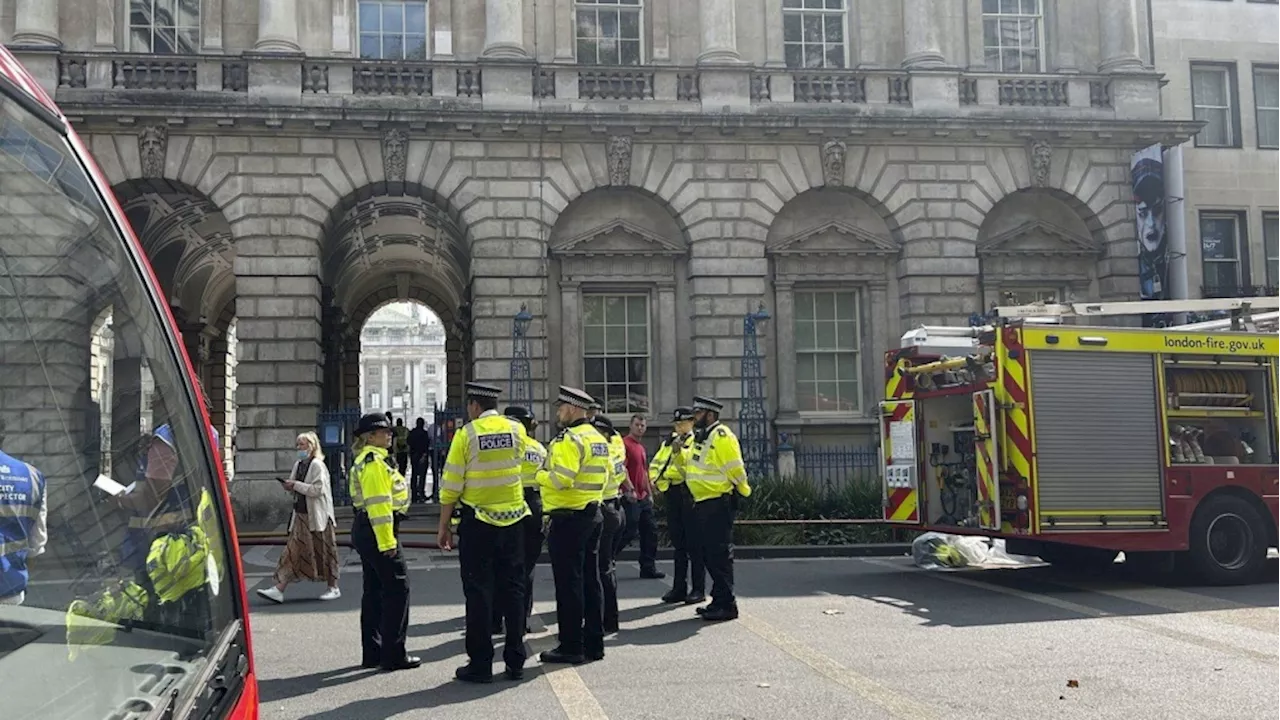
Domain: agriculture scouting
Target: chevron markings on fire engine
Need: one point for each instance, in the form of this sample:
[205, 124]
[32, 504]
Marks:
[1144, 625]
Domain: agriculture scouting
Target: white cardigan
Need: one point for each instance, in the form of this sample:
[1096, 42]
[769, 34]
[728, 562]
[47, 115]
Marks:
[318, 493]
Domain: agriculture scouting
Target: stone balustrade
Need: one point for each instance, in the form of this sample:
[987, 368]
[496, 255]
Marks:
[303, 81]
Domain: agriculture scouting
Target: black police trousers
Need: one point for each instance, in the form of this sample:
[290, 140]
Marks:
[715, 524]
[531, 528]
[573, 540]
[611, 526]
[686, 542]
[492, 563]
[384, 607]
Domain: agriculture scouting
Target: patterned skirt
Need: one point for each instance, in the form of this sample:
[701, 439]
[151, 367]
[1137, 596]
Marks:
[309, 555]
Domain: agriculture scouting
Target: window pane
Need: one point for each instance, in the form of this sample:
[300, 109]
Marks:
[630, 25]
[1221, 277]
[595, 390]
[824, 306]
[804, 335]
[637, 340]
[164, 40]
[804, 368]
[846, 306]
[1271, 246]
[849, 399]
[188, 41]
[1268, 128]
[845, 335]
[393, 18]
[609, 24]
[637, 310]
[593, 340]
[629, 52]
[824, 366]
[834, 26]
[639, 399]
[187, 14]
[835, 56]
[587, 24]
[804, 306]
[637, 370]
[792, 30]
[828, 396]
[826, 335]
[1217, 239]
[370, 17]
[415, 48]
[593, 310]
[1209, 87]
[415, 18]
[615, 310]
[615, 339]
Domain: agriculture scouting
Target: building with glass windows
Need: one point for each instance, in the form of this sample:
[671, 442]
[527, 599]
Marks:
[638, 174]
[402, 363]
[1220, 60]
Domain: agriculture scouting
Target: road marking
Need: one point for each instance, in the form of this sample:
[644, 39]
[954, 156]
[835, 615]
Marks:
[897, 705]
[1088, 611]
[575, 698]
[1230, 612]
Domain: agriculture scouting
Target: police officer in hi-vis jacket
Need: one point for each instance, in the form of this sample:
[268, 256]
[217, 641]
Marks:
[715, 474]
[667, 473]
[482, 477]
[572, 485]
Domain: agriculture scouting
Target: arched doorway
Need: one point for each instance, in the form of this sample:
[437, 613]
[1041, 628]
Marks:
[188, 241]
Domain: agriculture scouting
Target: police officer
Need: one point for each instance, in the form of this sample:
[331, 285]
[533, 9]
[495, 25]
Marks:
[24, 517]
[716, 475]
[535, 456]
[667, 473]
[613, 520]
[482, 473]
[572, 485]
[380, 498]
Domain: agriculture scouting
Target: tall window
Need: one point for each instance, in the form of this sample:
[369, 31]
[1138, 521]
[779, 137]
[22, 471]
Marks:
[1026, 295]
[1266, 101]
[164, 26]
[1212, 100]
[609, 32]
[828, 351]
[1013, 35]
[615, 362]
[813, 33]
[393, 30]
[1220, 254]
[1271, 248]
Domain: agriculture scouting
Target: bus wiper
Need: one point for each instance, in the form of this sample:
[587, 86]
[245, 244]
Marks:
[212, 682]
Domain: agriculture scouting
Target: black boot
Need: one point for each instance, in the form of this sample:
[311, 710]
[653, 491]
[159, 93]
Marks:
[720, 614]
[697, 597]
[676, 595]
[559, 656]
[467, 673]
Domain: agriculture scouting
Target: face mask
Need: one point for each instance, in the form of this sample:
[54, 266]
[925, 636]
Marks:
[304, 454]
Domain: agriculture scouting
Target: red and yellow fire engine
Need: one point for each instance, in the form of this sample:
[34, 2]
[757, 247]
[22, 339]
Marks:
[1075, 443]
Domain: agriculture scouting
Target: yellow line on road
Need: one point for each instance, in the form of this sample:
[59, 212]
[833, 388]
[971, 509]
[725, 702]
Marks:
[899, 706]
[575, 699]
[1088, 611]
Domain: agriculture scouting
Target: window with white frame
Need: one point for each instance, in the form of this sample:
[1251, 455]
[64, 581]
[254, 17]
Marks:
[1013, 35]
[1271, 248]
[828, 351]
[1266, 102]
[608, 32]
[813, 33]
[393, 29]
[431, 368]
[1212, 98]
[1220, 254]
[615, 351]
[164, 26]
[1028, 294]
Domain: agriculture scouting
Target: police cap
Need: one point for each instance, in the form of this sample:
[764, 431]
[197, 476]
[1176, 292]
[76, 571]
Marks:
[371, 422]
[475, 389]
[701, 402]
[682, 413]
[575, 397]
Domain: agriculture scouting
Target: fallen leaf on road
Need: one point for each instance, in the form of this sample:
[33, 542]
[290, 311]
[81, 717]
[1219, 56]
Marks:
[1073, 683]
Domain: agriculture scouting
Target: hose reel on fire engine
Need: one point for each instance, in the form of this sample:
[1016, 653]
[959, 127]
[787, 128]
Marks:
[957, 480]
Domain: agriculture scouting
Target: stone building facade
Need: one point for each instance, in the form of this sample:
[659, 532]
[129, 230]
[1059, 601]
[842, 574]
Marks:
[639, 174]
[1220, 60]
[402, 363]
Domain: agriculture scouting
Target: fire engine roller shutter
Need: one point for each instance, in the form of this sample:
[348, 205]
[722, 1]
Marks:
[1096, 432]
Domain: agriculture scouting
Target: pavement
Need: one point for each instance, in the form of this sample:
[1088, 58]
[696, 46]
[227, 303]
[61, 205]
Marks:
[819, 639]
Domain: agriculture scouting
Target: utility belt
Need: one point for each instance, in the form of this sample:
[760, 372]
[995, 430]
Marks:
[614, 502]
[591, 508]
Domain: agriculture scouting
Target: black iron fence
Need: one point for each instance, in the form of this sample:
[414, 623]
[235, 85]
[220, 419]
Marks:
[838, 465]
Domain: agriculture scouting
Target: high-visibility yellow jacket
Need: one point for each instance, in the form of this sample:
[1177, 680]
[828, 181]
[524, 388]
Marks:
[207, 518]
[713, 464]
[483, 469]
[617, 467]
[178, 563]
[577, 468]
[379, 489]
[667, 468]
[535, 457]
[94, 621]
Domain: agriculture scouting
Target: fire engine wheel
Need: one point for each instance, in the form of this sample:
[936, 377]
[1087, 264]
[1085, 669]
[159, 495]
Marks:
[1228, 541]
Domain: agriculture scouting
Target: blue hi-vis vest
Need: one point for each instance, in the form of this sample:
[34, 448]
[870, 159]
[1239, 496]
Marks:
[21, 496]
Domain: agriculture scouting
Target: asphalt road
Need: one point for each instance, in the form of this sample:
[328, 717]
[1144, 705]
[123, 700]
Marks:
[828, 639]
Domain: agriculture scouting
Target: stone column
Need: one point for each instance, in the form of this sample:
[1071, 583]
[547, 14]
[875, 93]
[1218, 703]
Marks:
[384, 394]
[774, 49]
[668, 346]
[660, 26]
[921, 21]
[1062, 30]
[565, 24]
[36, 23]
[719, 32]
[104, 38]
[343, 14]
[504, 30]
[211, 23]
[785, 329]
[442, 29]
[277, 26]
[1119, 36]
[571, 332]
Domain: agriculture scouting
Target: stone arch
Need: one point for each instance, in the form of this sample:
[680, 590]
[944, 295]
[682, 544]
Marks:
[428, 340]
[386, 242]
[833, 247]
[1037, 244]
[188, 240]
[608, 243]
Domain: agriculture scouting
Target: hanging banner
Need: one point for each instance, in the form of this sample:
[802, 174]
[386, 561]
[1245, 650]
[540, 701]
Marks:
[1147, 178]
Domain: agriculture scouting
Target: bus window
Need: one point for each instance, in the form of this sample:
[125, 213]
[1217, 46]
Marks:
[114, 571]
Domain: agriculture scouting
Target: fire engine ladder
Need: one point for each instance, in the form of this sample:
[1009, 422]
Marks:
[1241, 310]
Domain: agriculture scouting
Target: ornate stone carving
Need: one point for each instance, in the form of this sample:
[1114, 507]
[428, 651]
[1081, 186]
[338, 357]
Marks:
[619, 151]
[833, 162]
[1041, 158]
[395, 149]
[153, 144]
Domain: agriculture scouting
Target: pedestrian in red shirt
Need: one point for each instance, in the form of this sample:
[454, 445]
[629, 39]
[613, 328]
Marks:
[639, 504]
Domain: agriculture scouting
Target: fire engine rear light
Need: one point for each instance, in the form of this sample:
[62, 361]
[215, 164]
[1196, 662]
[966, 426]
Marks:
[1022, 502]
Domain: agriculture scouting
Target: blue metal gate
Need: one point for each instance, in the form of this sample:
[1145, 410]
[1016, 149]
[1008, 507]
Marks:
[336, 429]
[444, 424]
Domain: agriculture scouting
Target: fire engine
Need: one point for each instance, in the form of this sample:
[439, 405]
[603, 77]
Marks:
[1075, 442]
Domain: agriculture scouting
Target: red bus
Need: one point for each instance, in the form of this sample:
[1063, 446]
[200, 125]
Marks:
[121, 589]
